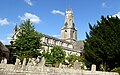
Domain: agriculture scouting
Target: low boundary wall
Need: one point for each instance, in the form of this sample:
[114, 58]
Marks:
[10, 69]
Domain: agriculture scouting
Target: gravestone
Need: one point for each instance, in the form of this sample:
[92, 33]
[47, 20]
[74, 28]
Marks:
[93, 68]
[85, 67]
[17, 61]
[24, 62]
[33, 62]
[60, 65]
[37, 61]
[4, 61]
[29, 62]
[76, 65]
[42, 62]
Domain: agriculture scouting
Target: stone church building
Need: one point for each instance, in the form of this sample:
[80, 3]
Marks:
[4, 51]
[68, 40]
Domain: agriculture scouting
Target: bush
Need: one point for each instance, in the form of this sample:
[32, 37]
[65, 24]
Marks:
[116, 70]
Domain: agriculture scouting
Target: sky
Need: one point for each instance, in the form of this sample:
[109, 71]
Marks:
[48, 15]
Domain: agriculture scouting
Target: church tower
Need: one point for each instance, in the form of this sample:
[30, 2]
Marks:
[68, 31]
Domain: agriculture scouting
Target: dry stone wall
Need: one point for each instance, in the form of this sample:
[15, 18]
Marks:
[10, 69]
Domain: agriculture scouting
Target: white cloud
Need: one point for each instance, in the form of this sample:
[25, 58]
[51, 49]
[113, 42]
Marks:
[104, 4]
[29, 2]
[4, 21]
[33, 18]
[58, 12]
[118, 15]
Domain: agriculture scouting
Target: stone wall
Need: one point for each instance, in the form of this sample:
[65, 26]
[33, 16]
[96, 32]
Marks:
[10, 69]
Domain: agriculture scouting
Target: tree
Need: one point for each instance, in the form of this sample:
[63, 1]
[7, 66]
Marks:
[102, 46]
[55, 56]
[28, 41]
[72, 58]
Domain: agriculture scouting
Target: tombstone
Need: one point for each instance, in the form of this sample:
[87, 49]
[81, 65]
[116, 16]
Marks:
[33, 62]
[29, 62]
[85, 67]
[60, 65]
[29, 65]
[17, 61]
[76, 65]
[4, 61]
[24, 62]
[42, 62]
[37, 60]
[93, 68]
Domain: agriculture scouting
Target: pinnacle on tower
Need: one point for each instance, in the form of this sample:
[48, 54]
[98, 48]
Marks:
[15, 29]
[68, 32]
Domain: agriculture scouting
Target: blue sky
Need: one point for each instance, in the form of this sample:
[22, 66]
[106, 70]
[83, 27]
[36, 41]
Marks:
[48, 15]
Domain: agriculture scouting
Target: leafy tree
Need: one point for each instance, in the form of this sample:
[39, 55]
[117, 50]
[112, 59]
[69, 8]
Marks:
[55, 56]
[102, 46]
[72, 58]
[28, 41]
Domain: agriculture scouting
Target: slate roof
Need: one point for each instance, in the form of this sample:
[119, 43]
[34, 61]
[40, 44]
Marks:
[3, 48]
[79, 45]
[54, 38]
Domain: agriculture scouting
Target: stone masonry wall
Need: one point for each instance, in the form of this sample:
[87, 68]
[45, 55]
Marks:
[9, 69]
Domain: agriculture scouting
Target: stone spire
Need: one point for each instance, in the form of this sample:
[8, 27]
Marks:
[68, 32]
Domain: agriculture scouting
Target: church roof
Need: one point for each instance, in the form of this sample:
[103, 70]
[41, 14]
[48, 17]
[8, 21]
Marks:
[79, 45]
[54, 38]
[3, 48]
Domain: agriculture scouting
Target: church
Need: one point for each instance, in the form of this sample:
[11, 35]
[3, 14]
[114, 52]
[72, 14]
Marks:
[68, 40]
